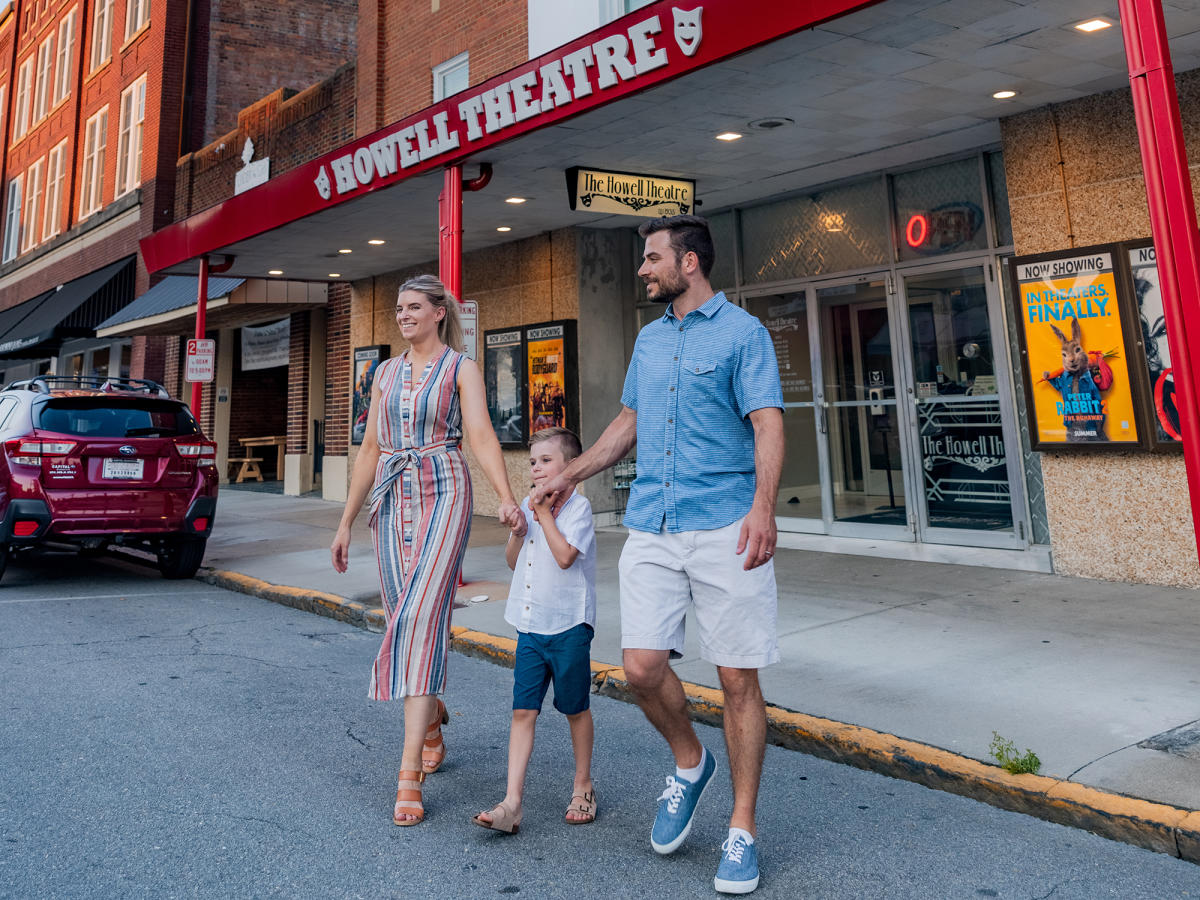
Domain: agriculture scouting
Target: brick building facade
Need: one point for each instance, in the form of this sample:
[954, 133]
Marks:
[98, 99]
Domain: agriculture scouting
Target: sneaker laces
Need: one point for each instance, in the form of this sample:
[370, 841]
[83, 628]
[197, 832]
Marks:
[674, 793]
[734, 847]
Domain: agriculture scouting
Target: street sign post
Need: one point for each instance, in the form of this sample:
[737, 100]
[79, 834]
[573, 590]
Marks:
[201, 360]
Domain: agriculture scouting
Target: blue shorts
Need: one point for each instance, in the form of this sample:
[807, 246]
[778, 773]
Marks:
[563, 658]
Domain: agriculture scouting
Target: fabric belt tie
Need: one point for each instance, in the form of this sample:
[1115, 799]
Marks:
[396, 461]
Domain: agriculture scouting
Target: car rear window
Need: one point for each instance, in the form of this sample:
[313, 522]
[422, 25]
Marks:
[116, 417]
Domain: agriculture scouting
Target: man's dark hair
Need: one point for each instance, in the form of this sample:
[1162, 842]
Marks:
[688, 234]
[567, 440]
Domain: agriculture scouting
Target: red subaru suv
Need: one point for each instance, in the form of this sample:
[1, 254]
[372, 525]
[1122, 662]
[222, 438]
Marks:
[90, 462]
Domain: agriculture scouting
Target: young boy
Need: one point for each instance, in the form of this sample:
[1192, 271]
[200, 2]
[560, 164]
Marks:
[552, 604]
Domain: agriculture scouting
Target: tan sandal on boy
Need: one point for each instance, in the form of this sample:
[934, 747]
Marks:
[502, 819]
[434, 753]
[583, 804]
[408, 799]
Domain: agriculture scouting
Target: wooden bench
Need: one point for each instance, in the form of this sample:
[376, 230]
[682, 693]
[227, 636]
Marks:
[247, 468]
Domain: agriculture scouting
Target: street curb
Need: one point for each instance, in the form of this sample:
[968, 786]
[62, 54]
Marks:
[1160, 827]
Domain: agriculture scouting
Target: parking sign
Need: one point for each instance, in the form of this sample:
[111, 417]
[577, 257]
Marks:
[201, 360]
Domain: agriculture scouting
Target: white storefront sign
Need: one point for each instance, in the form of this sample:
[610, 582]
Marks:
[266, 346]
[201, 359]
[468, 316]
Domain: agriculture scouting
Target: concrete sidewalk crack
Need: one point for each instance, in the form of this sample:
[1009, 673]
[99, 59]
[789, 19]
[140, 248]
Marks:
[1071, 776]
[862, 615]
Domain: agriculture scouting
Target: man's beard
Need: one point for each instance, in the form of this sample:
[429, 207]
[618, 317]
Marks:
[669, 291]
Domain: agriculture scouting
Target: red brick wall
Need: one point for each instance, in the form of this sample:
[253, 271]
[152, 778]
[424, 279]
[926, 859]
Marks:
[297, 398]
[289, 127]
[147, 359]
[400, 43]
[337, 371]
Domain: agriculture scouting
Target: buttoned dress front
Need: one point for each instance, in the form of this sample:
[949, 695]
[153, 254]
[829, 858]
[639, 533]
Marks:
[420, 522]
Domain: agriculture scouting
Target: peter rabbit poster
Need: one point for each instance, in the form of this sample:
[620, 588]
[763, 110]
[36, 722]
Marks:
[1075, 357]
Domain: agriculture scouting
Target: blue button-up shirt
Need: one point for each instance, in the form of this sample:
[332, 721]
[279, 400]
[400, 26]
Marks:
[693, 383]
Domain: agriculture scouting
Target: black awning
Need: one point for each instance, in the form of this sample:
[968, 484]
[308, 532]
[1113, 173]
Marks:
[38, 327]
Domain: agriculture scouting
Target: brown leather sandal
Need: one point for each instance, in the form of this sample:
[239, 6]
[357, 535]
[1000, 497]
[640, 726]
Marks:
[434, 753]
[408, 799]
[583, 804]
[506, 821]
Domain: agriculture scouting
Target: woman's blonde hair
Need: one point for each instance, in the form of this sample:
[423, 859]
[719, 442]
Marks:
[450, 328]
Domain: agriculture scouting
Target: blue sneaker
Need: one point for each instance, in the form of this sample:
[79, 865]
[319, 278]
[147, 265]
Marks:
[738, 872]
[677, 806]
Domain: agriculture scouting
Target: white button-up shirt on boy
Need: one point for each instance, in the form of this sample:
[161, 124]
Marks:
[545, 598]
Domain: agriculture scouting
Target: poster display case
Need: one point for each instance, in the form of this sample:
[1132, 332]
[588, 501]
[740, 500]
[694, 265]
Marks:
[1079, 349]
[366, 363]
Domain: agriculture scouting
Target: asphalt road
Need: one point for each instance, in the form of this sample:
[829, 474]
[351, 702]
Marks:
[168, 739]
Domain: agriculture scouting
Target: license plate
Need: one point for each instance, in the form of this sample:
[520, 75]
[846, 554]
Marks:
[124, 468]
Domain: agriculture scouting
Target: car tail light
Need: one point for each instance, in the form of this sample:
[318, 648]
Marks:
[24, 528]
[201, 523]
[30, 452]
[203, 452]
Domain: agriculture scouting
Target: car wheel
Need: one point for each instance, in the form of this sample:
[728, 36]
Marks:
[180, 557]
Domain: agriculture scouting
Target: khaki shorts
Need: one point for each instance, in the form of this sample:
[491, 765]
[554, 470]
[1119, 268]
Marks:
[663, 574]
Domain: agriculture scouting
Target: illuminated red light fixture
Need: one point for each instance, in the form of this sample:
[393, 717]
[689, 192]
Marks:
[917, 230]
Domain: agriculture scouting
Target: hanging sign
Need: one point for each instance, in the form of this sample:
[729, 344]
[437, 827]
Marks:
[596, 190]
[266, 346]
[1075, 350]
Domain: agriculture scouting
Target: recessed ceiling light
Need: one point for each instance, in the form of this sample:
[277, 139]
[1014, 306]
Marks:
[729, 136]
[1093, 25]
[516, 200]
[1004, 95]
[275, 272]
[375, 242]
[345, 251]
[335, 274]
[504, 228]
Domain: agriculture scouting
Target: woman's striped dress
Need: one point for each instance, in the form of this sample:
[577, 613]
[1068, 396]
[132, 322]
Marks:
[420, 519]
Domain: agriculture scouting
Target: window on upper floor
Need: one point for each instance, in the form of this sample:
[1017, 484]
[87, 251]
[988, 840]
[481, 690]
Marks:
[65, 60]
[137, 14]
[33, 200]
[45, 68]
[129, 137]
[56, 177]
[101, 34]
[451, 76]
[24, 95]
[12, 220]
[91, 182]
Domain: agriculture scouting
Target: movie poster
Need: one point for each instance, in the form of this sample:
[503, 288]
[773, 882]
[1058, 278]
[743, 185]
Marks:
[504, 382]
[1144, 269]
[1076, 363]
[366, 361]
[546, 351]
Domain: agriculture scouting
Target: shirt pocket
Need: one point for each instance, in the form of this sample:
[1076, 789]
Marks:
[699, 368]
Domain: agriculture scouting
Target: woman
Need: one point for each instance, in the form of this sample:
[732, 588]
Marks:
[421, 402]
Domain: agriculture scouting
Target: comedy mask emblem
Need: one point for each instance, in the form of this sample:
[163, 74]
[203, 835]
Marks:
[323, 185]
[687, 29]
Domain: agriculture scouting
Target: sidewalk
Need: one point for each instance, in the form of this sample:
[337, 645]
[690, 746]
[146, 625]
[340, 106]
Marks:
[903, 667]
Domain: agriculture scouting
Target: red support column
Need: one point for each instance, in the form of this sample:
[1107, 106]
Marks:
[201, 311]
[1172, 212]
[450, 232]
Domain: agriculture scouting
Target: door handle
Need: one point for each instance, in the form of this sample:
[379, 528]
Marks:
[822, 424]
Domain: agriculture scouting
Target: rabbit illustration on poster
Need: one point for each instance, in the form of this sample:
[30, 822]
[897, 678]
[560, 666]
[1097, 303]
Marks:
[1080, 381]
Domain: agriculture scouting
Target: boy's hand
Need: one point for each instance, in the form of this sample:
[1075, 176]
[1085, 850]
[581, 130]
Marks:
[519, 529]
[541, 506]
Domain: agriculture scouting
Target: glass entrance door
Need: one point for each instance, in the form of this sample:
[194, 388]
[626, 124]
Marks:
[961, 436]
[862, 417]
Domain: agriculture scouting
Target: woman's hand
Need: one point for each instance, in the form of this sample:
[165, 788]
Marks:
[339, 550]
[510, 514]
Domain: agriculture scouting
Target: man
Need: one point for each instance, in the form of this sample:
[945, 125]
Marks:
[703, 403]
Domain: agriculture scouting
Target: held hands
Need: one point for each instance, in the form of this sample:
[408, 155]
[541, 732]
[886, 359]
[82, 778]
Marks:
[550, 493]
[510, 514]
[339, 550]
[757, 539]
[542, 506]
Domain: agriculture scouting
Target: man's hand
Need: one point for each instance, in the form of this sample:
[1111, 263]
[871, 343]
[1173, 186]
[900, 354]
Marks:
[550, 493]
[757, 539]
